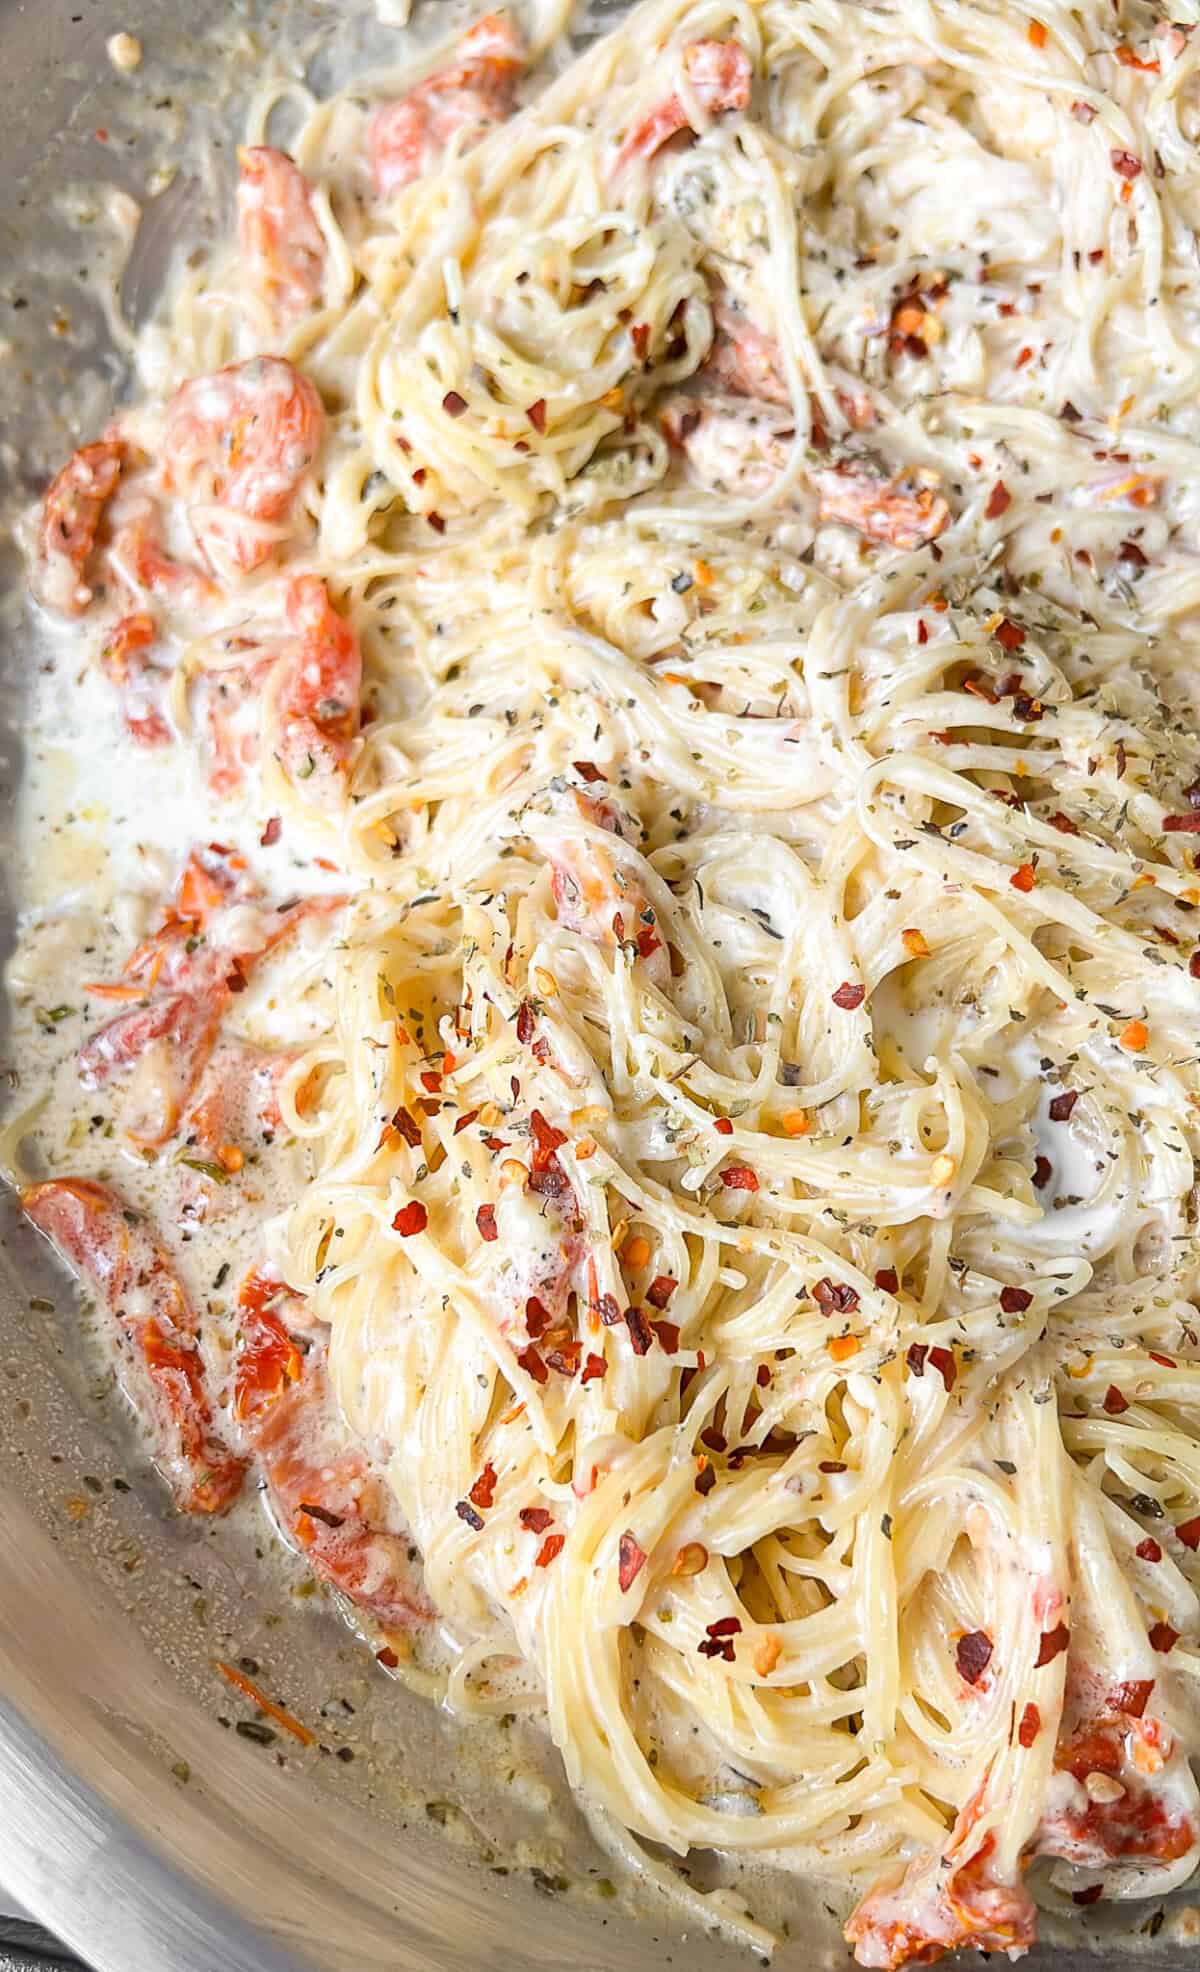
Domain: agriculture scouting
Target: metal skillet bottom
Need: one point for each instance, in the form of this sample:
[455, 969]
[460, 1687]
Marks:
[136, 1821]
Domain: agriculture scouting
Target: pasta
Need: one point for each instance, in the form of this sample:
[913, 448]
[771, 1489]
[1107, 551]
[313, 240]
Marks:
[752, 1204]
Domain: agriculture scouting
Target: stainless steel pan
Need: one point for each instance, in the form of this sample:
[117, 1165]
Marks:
[134, 1819]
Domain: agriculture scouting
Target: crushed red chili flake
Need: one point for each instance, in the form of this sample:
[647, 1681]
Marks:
[887, 1280]
[841, 1299]
[483, 1492]
[465, 1120]
[1024, 878]
[1188, 824]
[405, 1124]
[388, 1658]
[537, 1317]
[999, 501]
[532, 1364]
[1091, 1895]
[660, 1290]
[1009, 635]
[1030, 1726]
[608, 1310]
[1024, 356]
[943, 1361]
[550, 1549]
[706, 1479]
[973, 1654]
[411, 1218]
[631, 1559]
[1015, 1300]
[1148, 1550]
[485, 1219]
[1052, 1644]
[739, 1177]
[593, 1366]
[453, 405]
[526, 1023]
[849, 996]
[723, 1126]
[271, 833]
[431, 1079]
[668, 1337]
[536, 1518]
[762, 1376]
[1167, 1362]
[1125, 165]
[536, 414]
[917, 1352]
[587, 771]
[1132, 1698]
[1163, 1638]
[640, 337]
[546, 1174]
[1188, 1531]
[1041, 1173]
[1114, 1402]
[1061, 1106]
[831, 1465]
[565, 1358]
[466, 1511]
[640, 1334]
[1062, 823]
[436, 522]
[718, 1642]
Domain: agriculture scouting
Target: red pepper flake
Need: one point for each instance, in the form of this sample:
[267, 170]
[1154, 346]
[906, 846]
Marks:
[1053, 1643]
[1188, 1531]
[388, 1658]
[1167, 1362]
[640, 1333]
[1148, 1550]
[1083, 113]
[631, 1559]
[1023, 356]
[405, 1124]
[533, 1365]
[999, 501]
[593, 1366]
[723, 1126]
[762, 1376]
[436, 522]
[719, 1639]
[537, 415]
[848, 996]
[640, 337]
[706, 1478]
[1015, 1300]
[1125, 165]
[1010, 636]
[431, 1080]
[1024, 878]
[536, 1518]
[922, 632]
[271, 833]
[943, 1361]
[842, 1299]
[483, 1492]
[1132, 1698]
[526, 1024]
[739, 1177]
[537, 1317]
[1114, 1402]
[973, 1654]
[1041, 1173]
[485, 1219]
[1091, 1895]
[453, 405]
[660, 1290]
[917, 1352]
[1030, 1726]
[587, 771]
[495, 1143]
[1037, 34]
[1183, 824]
[1128, 58]
[565, 1359]
[887, 1280]
[1062, 823]
[1163, 1638]
[668, 1337]
[1061, 1106]
[550, 1549]
[411, 1218]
